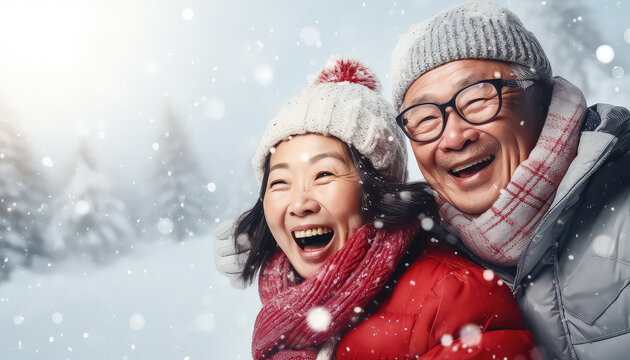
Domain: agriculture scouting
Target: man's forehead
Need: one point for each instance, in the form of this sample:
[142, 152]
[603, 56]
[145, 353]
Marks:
[450, 77]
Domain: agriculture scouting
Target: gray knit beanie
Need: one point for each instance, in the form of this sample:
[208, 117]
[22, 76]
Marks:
[470, 30]
[344, 102]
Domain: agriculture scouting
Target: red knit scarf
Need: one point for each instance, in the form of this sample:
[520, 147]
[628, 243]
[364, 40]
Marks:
[341, 287]
[501, 234]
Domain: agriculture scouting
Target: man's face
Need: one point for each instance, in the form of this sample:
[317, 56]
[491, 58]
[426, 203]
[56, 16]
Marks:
[469, 164]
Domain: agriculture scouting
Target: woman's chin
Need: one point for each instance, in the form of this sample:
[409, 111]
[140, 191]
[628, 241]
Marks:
[307, 269]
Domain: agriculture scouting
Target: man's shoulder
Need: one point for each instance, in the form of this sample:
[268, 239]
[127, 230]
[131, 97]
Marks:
[603, 149]
[613, 121]
[608, 118]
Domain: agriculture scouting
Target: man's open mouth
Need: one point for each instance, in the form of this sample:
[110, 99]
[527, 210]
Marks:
[471, 168]
[313, 239]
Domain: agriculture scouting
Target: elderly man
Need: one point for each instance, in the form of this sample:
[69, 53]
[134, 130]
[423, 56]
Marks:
[536, 185]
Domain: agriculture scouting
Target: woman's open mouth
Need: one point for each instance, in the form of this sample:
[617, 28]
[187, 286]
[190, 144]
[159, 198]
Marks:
[471, 168]
[313, 239]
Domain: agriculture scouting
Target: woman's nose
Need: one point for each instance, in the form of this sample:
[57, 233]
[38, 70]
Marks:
[457, 133]
[303, 204]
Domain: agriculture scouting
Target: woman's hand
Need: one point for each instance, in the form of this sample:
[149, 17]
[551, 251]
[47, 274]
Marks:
[230, 257]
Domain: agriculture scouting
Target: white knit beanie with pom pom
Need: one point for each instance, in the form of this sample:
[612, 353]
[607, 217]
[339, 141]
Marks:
[344, 102]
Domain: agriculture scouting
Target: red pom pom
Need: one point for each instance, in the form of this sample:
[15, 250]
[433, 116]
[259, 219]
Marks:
[350, 70]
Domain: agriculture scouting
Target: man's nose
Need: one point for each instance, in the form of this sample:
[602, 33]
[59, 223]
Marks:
[303, 204]
[457, 133]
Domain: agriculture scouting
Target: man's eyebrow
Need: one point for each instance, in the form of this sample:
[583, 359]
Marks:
[472, 78]
[426, 97]
[421, 99]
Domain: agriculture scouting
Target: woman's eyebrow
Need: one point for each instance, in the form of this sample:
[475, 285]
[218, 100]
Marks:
[313, 159]
[279, 166]
[318, 157]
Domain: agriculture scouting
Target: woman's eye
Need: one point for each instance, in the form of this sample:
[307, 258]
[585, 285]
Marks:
[276, 182]
[322, 174]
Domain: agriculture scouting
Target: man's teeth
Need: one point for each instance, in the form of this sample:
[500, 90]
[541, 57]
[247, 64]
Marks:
[312, 232]
[465, 166]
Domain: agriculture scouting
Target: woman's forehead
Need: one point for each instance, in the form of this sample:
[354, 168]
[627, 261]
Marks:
[307, 148]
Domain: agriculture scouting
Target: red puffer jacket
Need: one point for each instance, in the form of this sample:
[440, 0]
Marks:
[442, 308]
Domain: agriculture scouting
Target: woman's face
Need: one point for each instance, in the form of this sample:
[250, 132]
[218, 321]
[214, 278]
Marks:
[311, 201]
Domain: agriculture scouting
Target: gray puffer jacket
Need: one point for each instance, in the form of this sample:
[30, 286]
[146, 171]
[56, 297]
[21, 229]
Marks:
[572, 283]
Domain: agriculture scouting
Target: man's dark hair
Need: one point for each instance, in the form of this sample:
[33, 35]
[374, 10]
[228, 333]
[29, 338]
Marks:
[539, 95]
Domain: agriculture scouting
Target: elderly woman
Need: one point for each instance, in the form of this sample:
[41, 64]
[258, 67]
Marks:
[345, 271]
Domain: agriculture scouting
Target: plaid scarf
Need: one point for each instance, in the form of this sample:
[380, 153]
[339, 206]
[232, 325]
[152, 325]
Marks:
[297, 320]
[501, 234]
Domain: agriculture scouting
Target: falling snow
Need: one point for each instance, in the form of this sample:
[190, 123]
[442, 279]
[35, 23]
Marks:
[263, 75]
[215, 109]
[488, 275]
[446, 340]
[165, 226]
[136, 321]
[243, 240]
[82, 207]
[47, 161]
[605, 54]
[318, 318]
[470, 334]
[187, 14]
[603, 245]
[310, 36]
[18, 319]
[57, 318]
[204, 322]
[427, 224]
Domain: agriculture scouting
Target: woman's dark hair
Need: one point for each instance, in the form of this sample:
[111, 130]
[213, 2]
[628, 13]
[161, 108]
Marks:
[381, 199]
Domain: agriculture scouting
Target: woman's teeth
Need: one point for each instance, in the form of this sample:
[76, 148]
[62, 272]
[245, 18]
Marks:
[312, 232]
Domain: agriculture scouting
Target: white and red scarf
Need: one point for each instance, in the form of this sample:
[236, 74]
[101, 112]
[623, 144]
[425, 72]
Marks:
[501, 234]
[342, 286]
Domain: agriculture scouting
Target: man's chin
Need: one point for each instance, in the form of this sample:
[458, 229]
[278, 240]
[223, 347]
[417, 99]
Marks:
[472, 204]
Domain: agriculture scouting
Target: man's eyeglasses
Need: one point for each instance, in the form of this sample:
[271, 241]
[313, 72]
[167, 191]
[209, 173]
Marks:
[476, 104]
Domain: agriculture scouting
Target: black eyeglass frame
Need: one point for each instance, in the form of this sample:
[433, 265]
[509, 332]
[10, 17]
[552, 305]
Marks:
[498, 84]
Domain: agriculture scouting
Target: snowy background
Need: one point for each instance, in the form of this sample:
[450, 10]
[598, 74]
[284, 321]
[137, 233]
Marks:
[126, 130]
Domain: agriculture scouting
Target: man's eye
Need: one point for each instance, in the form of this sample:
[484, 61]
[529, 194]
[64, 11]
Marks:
[322, 174]
[276, 182]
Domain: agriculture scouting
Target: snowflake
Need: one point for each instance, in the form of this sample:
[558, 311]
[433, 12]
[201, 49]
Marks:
[605, 54]
[318, 319]
[136, 321]
[446, 340]
[488, 275]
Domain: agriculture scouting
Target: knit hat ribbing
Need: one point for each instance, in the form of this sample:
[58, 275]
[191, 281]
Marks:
[343, 102]
[470, 30]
